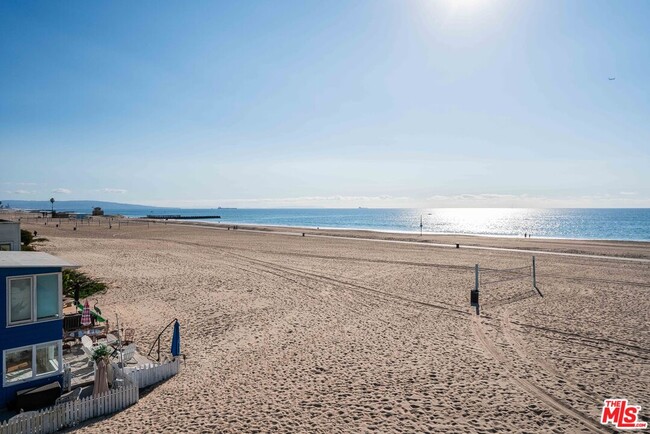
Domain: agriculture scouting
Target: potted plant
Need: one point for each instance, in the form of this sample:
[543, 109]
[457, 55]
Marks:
[103, 352]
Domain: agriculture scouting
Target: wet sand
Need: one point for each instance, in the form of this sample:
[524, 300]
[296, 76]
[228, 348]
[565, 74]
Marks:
[329, 334]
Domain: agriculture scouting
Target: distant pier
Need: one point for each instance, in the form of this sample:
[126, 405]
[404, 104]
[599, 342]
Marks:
[182, 217]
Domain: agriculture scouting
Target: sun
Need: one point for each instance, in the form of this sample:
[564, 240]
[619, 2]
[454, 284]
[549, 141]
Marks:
[457, 8]
[468, 5]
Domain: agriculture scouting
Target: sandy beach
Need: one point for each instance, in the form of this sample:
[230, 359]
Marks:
[286, 333]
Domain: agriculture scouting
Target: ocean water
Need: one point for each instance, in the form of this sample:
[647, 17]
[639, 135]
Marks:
[604, 224]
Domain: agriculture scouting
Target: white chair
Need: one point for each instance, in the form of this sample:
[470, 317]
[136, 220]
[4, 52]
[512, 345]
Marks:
[128, 353]
[87, 342]
[89, 352]
[111, 339]
[88, 347]
[68, 397]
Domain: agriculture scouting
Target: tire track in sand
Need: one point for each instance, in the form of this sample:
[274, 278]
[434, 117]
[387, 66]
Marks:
[525, 355]
[450, 308]
[530, 387]
[591, 340]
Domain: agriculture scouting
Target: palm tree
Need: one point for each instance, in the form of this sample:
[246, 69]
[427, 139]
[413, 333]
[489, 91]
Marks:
[52, 202]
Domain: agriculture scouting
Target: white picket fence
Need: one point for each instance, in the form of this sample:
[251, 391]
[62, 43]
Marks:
[67, 415]
[146, 375]
[67, 377]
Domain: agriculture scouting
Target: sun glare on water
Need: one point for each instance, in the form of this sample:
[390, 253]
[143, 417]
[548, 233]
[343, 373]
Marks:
[502, 221]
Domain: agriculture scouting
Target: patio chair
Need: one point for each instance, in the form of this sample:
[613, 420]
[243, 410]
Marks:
[72, 322]
[128, 353]
[87, 342]
[73, 395]
[129, 336]
[111, 339]
[88, 347]
[89, 352]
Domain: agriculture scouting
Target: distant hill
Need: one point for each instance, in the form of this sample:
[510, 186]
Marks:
[75, 205]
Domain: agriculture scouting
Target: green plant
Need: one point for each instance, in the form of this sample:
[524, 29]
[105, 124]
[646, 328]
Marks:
[26, 236]
[87, 285]
[101, 352]
[26, 239]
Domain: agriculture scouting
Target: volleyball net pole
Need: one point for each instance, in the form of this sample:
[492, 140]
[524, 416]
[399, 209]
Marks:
[535, 279]
[534, 275]
[474, 300]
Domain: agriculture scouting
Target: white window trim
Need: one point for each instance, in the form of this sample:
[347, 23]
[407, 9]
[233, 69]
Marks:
[34, 376]
[34, 318]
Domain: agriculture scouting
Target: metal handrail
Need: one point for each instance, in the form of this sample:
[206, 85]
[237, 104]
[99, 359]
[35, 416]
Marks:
[158, 339]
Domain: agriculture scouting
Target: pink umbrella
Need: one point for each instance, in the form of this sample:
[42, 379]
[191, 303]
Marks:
[85, 315]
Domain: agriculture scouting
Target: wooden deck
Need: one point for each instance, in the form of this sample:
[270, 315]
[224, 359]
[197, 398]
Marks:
[83, 372]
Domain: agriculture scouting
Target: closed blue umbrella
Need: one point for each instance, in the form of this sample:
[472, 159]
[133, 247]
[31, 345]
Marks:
[176, 340]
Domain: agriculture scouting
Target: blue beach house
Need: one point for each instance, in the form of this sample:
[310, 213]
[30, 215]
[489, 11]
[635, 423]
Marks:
[31, 321]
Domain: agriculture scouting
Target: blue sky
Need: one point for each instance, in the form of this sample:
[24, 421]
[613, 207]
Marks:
[338, 104]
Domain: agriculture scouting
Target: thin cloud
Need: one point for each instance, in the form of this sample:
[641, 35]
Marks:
[482, 196]
[113, 190]
[61, 191]
[628, 193]
[335, 198]
[21, 192]
[337, 201]
[23, 184]
[483, 200]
